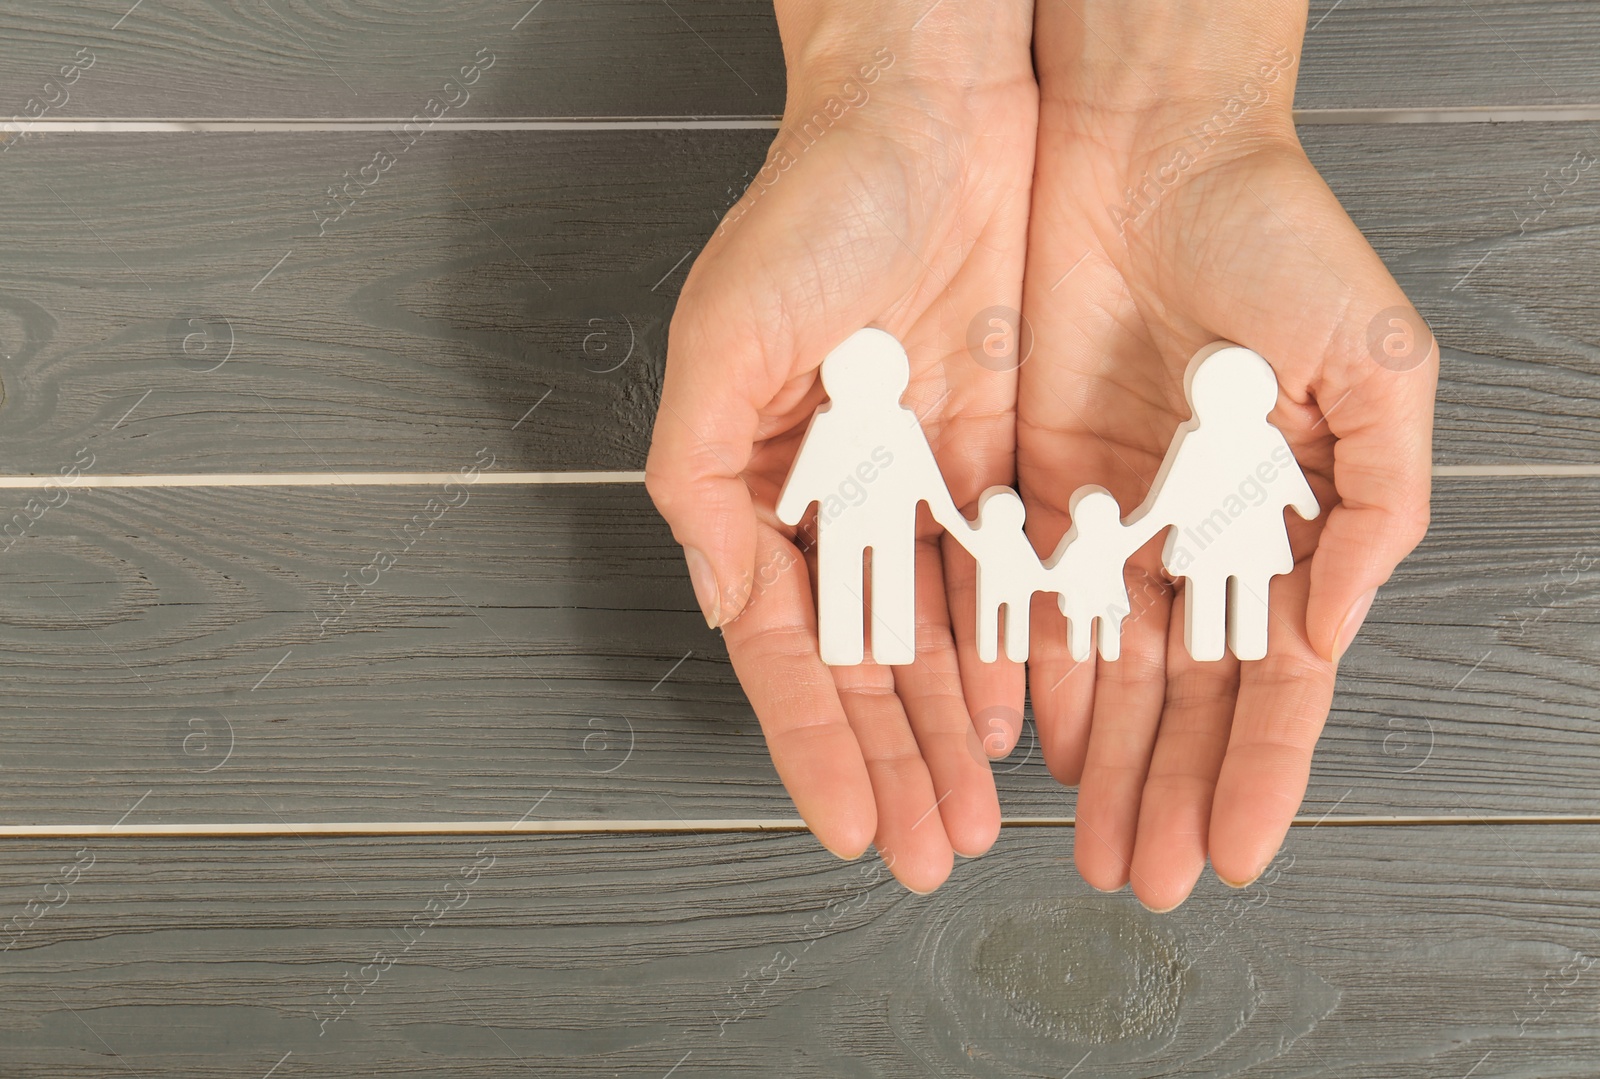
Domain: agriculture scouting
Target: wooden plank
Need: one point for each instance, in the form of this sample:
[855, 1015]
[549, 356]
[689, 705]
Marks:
[199, 59]
[196, 59]
[200, 648]
[1493, 233]
[1433, 53]
[206, 321]
[484, 270]
[1363, 951]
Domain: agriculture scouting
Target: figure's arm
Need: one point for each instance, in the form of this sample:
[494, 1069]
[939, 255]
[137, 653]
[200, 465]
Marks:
[944, 510]
[1155, 512]
[1138, 529]
[802, 486]
[793, 502]
[929, 481]
[1296, 490]
[1305, 500]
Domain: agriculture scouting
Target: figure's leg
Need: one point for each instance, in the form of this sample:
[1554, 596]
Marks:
[1247, 617]
[1017, 612]
[894, 601]
[840, 602]
[1205, 617]
[1110, 631]
[988, 627]
[1079, 640]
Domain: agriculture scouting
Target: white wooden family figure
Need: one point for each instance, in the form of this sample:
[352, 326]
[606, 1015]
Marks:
[865, 460]
[1222, 490]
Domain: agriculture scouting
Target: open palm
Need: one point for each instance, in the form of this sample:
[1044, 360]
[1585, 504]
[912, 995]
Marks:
[907, 212]
[1178, 760]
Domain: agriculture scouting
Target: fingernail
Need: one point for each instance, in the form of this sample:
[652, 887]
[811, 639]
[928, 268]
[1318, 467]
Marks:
[1251, 879]
[836, 852]
[1157, 910]
[704, 580]
[1352, 622]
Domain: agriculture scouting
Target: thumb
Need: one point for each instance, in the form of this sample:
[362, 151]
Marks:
[704, 433]
[1380, 410]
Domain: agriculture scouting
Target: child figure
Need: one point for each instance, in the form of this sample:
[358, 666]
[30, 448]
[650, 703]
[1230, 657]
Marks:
[1086, 571]
[1009, 572]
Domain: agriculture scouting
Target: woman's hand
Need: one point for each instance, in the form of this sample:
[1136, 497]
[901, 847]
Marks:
[895, 195]
[1173, 207]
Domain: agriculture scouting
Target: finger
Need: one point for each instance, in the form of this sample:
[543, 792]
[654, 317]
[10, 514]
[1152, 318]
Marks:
[975, 444]
[994, 691]
[1382, 417]
[1060, 687]
[910, 835]
[1175, 808]
[773, 647]
[1062, 691]
[1283, 704]
[1127, 709]
[931, 691]
[702, 442]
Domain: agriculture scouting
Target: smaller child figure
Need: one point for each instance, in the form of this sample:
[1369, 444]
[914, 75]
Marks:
[1009, 572]
[1086, 571]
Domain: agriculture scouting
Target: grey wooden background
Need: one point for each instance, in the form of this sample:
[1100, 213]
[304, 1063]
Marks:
[534, 662]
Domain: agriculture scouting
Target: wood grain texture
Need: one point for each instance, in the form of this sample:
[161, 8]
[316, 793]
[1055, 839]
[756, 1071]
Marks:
[229, 58]
[1363, 952]
[296, 59]
[169, 301]
[544, 644]
[478, 274]
[1431, 53]
[1494, 234]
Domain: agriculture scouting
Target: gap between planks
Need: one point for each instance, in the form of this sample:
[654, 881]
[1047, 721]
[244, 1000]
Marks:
[534, 479]
[1309, 117]
[676, 826]
[320, 479]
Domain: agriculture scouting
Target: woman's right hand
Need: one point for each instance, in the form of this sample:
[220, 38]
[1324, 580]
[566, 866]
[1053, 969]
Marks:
[895, 195]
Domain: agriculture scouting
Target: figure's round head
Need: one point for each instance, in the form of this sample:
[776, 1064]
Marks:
[868, 368]
[1095, 510]
[1000, 507]
[1233, 380]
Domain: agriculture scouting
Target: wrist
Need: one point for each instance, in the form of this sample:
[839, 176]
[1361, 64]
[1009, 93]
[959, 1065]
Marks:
[939, 53]
[1165, 69]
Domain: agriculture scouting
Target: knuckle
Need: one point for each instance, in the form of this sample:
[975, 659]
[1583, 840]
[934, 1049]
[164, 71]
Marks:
[1413, 521]
[662, 485]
